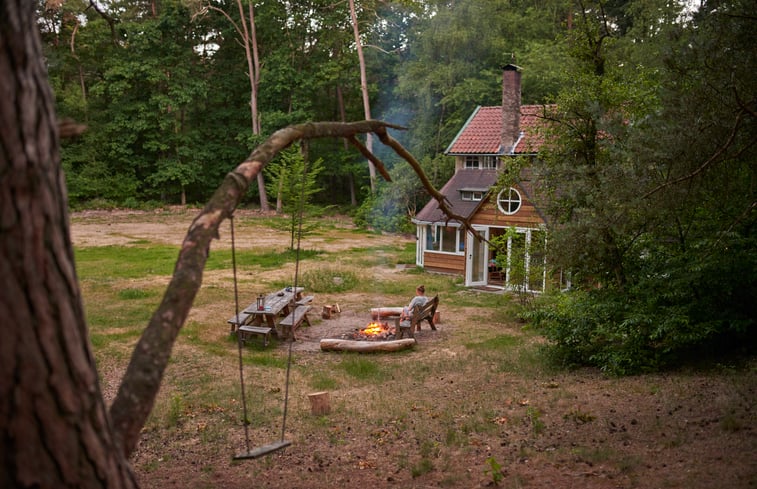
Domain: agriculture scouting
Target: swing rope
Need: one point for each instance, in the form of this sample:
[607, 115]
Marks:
[245, 421]
[294, 291]
[282, 443]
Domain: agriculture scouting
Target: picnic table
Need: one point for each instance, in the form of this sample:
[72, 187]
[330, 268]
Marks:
[276, 304]
[287, 303]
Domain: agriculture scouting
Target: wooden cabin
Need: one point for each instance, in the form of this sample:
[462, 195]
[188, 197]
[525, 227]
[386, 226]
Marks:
[488, 141]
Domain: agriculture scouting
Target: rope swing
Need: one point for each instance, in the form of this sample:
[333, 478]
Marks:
[252, 453]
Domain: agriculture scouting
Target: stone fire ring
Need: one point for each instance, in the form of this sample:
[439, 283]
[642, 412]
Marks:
[367, 346]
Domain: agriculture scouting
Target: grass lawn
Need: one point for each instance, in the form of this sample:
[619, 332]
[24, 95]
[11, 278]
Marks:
[474, 404]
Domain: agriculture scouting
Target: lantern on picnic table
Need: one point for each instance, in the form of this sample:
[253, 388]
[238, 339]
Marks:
[261, 302]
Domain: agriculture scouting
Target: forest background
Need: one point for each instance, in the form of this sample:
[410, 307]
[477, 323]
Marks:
[651, 172]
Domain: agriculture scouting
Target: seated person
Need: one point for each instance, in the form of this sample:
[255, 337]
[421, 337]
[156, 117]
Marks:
[493, 265]
[420, 299]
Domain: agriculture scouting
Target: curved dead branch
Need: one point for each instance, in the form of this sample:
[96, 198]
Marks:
[139, 387]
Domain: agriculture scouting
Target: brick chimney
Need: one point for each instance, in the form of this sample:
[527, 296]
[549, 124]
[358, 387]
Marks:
[510, 107]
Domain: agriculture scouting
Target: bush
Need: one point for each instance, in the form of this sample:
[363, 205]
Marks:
[639, 330]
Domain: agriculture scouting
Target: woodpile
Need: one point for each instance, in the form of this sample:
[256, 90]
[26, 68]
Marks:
[329, 311]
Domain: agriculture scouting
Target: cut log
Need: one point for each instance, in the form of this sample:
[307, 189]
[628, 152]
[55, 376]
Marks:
[385, 312]
[366, 346]
[326, 312]
[319, 403]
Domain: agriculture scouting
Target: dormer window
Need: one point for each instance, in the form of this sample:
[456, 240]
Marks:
[481, 162]
[474, 195]
[508, 201]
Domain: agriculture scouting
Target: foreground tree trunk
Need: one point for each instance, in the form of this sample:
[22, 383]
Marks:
[53, 420]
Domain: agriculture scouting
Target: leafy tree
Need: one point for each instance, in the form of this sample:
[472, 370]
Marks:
[652, 195]
[294, 179]
[455, 59]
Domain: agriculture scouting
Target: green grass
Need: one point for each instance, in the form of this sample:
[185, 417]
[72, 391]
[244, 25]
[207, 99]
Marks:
[328, 280]
[124, 262]
[361, 368]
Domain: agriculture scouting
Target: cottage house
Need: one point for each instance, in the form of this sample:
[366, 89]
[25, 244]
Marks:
[488, 141]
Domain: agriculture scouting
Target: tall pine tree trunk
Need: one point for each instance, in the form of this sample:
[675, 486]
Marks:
[364, 90]
[53, 421]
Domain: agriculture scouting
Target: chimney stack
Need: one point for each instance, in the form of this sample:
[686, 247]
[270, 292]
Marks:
[510, 107]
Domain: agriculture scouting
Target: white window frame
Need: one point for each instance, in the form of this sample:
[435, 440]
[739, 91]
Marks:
[509, 201]
[481, 162]
[472, 161]
[434, 230]
[471, 195]
[489, 163]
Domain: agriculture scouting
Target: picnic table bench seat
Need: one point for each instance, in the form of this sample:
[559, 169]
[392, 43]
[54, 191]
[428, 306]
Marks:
[247, 331]
[239, 320]
[294, 319]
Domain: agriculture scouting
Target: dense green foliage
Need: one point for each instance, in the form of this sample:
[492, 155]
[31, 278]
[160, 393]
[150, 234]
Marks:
[648, 182]
[164, 88]
[652, 186]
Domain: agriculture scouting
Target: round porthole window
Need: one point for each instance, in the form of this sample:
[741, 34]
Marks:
[508, 201]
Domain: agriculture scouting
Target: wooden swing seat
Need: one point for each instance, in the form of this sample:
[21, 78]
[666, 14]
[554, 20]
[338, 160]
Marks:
[264, 450]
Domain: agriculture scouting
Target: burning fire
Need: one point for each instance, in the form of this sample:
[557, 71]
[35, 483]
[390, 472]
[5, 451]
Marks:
[374, 329]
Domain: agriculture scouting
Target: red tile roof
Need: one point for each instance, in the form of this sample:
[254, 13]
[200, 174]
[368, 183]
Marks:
[481, 134]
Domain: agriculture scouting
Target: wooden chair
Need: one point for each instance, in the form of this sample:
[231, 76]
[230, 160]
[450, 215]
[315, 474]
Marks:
[420, 313]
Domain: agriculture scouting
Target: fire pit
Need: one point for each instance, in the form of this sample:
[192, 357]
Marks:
[374, 331]
[375, 337]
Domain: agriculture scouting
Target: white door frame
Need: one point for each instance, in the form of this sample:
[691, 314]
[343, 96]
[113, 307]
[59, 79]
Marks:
[469, 248]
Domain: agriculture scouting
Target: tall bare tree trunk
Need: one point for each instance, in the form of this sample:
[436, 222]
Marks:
[364, 90]
[253, 70]
[54, 428]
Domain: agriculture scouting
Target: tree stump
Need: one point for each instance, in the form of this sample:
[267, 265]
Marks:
[326, 313]
[319, 403]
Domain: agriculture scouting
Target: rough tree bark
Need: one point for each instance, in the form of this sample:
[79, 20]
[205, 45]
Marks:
[53, 420]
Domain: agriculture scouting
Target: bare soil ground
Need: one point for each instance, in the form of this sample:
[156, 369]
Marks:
[445, 414]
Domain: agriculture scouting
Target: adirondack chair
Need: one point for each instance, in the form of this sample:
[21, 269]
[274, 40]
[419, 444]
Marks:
[420, 313]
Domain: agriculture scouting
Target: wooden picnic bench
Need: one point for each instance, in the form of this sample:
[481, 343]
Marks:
[294, 319]
[246, 331]
[276, 304]
[420, 313]
[253, 322]
[237, 321]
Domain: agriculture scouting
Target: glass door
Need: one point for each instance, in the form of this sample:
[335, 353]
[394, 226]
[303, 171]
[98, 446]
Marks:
[475, 260]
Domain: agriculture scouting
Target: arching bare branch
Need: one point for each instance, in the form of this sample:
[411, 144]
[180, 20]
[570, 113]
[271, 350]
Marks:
[136, 394]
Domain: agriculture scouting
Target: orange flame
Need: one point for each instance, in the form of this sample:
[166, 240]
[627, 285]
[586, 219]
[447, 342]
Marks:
[373, 329]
